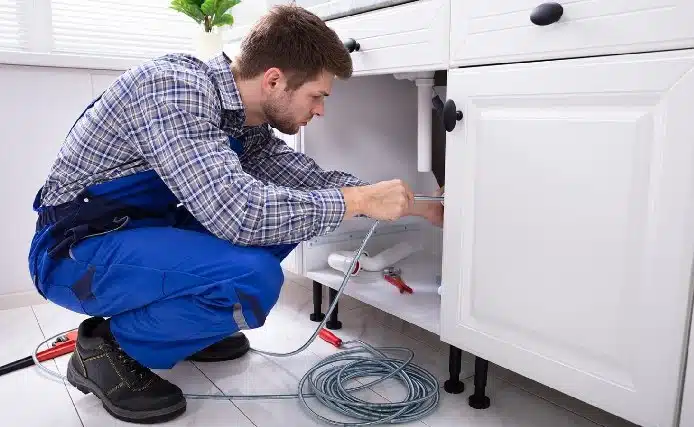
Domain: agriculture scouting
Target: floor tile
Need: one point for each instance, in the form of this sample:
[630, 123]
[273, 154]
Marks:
[560, 399]
[510, 407]
[516, 401]
[251, 374]
[207, 412]
[54, 319]
[28, 387]
[292, 413]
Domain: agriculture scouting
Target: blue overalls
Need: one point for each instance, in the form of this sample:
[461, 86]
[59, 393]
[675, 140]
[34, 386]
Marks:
[124, 249]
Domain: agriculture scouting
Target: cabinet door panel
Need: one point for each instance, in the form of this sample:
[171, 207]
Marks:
[331, 9]
[408, 37]
[494, 31]
[569, 229]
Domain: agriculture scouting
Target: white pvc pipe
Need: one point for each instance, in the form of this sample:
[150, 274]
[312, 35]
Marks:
[341, 260]
[424, 123]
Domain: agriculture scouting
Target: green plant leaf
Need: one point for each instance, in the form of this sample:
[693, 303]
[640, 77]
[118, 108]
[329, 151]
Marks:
[225, 5]
[188, 9]
[220, 20]
[209, 6]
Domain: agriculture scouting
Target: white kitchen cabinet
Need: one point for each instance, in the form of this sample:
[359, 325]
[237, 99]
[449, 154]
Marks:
[500, 31]
[567, 252]
[331, 9]
[293, 261]
[376, 142]
[408, 37]
[405, 36]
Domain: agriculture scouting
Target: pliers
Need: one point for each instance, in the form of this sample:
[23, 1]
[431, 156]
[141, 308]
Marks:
[392, 275]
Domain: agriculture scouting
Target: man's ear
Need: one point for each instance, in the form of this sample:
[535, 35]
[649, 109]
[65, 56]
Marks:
[273, 80]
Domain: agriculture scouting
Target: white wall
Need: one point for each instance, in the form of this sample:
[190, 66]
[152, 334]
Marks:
[37, 107]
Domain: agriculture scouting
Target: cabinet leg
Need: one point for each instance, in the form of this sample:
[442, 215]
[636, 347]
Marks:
[453, 385]
[333, 323]
[317, 315]
[478, 399]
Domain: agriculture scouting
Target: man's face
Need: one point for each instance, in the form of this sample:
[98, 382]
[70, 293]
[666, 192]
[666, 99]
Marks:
[287, 110]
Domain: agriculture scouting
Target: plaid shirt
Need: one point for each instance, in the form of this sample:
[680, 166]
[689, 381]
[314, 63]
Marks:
[174, 115]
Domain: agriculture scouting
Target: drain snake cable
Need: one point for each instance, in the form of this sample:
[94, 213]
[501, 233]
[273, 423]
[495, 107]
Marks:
[328, 385]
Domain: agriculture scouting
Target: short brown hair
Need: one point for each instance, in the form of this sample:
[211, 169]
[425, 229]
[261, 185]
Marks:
[297, 42]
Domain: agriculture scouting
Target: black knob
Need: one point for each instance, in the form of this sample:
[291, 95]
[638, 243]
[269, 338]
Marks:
[451, 115]
[546, 13]
[351, 45]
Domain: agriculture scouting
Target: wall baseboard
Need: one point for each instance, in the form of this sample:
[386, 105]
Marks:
[20, 299]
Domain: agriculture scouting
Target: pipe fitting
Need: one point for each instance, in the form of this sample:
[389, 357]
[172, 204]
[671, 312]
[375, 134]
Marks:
[425, 93]
[341, 260]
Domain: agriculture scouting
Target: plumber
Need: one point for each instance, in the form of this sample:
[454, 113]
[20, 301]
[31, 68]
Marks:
[170, 206]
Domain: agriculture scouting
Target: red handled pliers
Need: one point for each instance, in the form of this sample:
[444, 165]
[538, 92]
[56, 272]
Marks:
[392, 275]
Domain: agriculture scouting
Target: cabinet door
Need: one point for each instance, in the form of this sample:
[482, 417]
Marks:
[495, 31]
[331, 9]
[570, 225]
[294, 261]
[409, 37]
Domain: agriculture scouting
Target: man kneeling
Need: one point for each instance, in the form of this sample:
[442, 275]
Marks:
[171, 205]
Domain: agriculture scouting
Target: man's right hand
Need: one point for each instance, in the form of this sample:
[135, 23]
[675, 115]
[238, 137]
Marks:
[386, 200]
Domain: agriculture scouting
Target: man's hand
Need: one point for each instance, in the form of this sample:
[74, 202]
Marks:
[386, 200]
[432, 211]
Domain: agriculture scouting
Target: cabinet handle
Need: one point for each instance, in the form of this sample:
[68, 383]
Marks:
[546, 14]
[451, 115]
[351, 45]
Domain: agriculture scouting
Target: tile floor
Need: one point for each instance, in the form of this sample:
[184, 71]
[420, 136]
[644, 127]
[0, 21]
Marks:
[35, 400]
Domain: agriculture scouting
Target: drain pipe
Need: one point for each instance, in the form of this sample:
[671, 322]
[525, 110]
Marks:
[425, 84]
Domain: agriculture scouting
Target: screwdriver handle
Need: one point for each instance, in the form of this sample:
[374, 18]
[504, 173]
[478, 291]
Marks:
[330, 338]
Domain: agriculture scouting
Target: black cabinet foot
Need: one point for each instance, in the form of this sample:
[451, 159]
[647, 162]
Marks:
[453, 385]
[333, 323]
[478, 399]
[317, 315]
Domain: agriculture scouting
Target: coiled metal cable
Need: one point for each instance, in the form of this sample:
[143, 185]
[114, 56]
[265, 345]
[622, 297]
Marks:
[326, 380]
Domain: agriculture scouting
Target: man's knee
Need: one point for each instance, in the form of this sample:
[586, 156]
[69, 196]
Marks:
[267, 274]
[259, 287]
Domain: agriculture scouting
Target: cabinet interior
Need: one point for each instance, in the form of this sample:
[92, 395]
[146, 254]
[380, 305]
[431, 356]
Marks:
[377, 141]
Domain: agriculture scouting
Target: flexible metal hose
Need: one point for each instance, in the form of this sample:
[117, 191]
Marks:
[327, 379]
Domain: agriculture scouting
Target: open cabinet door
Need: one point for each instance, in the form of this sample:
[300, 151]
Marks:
[569, 229]
[294, 261]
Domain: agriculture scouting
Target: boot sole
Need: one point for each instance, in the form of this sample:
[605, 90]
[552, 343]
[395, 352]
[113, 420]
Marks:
[87, 386]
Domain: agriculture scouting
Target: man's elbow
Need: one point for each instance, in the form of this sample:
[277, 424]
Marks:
[235, 234]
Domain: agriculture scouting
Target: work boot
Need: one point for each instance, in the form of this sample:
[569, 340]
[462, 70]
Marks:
[128, 390]
[229, 348]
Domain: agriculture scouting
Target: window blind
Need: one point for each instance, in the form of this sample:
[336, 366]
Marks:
[120, 28]
[12, 28]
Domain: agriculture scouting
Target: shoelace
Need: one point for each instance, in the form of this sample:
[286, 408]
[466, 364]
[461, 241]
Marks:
[133, 366]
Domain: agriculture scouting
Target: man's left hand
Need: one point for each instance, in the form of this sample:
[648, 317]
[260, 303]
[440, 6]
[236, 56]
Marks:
[432, 211]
